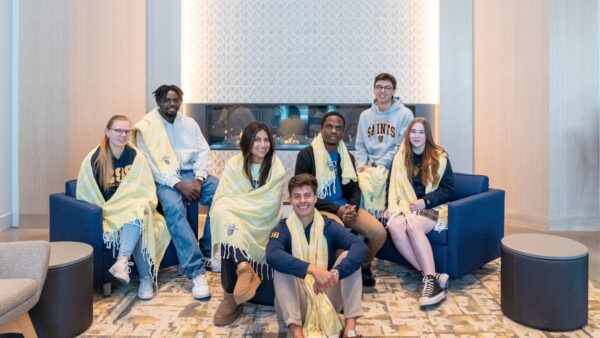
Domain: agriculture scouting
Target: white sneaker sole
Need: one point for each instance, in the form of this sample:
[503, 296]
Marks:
[202, 298]
[424, 301]
[145, 296]
[120, 277]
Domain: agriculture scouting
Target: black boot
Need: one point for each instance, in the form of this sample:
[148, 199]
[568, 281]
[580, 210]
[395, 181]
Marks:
[367, 276]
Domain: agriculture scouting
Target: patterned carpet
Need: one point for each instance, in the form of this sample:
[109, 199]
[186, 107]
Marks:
[472, 309]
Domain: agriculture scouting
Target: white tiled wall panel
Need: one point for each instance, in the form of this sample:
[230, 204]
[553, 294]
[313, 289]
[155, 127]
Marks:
[308, 51]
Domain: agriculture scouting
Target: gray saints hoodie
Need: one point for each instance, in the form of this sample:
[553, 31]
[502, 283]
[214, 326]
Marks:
[380, 134]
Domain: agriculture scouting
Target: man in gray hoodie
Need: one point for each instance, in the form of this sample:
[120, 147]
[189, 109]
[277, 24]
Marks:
[381, 127]
[378, 138]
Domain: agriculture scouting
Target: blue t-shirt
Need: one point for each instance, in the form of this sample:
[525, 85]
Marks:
[333, 163]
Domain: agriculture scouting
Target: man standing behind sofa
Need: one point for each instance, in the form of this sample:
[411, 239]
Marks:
[339, 194]
[311, 284]
[378, 137]
[178, 156]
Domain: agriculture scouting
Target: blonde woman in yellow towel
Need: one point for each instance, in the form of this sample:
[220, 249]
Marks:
[117, 178]
[245, 209]
[421, 183]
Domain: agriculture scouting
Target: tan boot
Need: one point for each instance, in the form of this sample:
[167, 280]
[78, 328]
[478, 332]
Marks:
[247, 283]
[228, 311]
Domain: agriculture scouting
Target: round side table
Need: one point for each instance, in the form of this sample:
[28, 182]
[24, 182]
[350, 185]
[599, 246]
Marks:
[65, 308]
[544, 281]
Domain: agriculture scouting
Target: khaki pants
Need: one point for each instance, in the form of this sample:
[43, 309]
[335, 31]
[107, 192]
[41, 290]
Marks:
[290, 297]
[368, 226]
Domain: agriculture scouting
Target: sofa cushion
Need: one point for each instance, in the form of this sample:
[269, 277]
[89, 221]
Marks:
[438, 237]
[466, 185]
[14, 292]
[71, 188]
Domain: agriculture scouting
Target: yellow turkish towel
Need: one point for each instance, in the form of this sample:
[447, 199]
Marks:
[401, 192]
[321, 319]
[326, 171]
[134, 202]
[372, 183]
[156, 140]
[243, 217]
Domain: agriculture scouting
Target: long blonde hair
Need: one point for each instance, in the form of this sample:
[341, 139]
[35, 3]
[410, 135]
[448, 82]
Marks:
[431, 154]
[104, 160]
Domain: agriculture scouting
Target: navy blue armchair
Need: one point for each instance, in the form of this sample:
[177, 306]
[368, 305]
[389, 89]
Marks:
[79, 221]
[475, 228]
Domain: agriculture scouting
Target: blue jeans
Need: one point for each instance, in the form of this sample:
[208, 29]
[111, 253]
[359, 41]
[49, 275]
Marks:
[208, 192]
[131, 244]
[185, 241]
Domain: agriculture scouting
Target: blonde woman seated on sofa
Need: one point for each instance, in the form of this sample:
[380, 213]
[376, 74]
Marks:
[117, 178]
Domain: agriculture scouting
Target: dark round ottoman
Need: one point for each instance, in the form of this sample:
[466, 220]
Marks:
[65, 308]
[544, 281]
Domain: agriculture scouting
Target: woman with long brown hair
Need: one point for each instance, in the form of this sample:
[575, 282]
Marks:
[421, 183]
[117, 178]
[245, 209]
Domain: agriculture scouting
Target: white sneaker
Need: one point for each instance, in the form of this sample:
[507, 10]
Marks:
[213, 264]
[145, 291]
[200, 289]
[121, 270]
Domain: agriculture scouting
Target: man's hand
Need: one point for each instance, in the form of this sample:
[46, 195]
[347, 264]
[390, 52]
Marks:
[350, 214]
[189, 190]
[323, 279]
[417, 205]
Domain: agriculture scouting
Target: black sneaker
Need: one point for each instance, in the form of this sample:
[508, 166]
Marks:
[367, 276]
[441, 278]
[432, 292]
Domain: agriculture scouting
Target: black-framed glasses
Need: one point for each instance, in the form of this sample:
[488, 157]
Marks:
[122, 131]
[380, 88]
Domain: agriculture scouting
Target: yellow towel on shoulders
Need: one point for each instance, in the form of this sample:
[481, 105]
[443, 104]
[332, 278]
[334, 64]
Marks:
[326, 172]
[243, 217]
[401, 192]
[372, 183]
[134, 202]
[157, 141]
[321, 318]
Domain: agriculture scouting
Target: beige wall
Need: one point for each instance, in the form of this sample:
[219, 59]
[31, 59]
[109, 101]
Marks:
[573, 114]
[511, 101]
[43, 102]
[536, 109]
[80, 63]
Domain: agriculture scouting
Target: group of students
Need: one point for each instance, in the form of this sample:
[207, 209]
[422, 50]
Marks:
[400, 181]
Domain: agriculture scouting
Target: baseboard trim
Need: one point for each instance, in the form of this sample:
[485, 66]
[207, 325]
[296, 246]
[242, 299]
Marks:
[5, 221]
[546, 223]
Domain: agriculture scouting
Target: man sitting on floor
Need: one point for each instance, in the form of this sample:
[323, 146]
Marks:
[311, 285]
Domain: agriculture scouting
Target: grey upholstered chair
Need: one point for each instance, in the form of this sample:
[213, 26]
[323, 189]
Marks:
[23, 267]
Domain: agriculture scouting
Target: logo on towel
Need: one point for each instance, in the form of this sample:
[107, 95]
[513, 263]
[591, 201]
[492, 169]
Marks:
[165, 159]
[371, 197]
[332, 165]
[230, 229]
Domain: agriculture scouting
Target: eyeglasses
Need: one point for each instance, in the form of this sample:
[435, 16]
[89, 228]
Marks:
[122, 131]
[384, 88]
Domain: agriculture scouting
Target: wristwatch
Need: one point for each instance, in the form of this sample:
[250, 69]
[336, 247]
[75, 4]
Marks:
[336, 273]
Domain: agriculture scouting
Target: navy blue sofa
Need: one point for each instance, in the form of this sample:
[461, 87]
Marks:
[79, 221]
[475, 228]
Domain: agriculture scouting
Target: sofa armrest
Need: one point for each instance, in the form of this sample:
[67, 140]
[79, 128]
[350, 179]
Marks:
[475, 228]
[74, 220]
